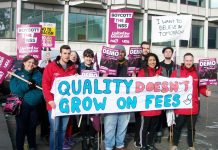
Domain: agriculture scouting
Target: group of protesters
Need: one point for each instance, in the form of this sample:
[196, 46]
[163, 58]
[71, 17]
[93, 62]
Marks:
[148, 124]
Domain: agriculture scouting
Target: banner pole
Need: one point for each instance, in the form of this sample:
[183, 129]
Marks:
[80, 119]
[13, 74]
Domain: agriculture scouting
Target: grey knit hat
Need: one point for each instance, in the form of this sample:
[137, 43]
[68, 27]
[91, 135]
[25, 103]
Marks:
[120, 47]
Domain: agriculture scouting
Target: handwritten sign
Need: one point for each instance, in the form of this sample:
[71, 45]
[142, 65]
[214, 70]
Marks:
[80, 95]
[168, 28]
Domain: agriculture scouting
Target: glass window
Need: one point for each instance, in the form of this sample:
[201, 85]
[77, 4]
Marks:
[77, 27]
[164, 0]
[197, 39]
[213, 4]
[137, 34]
[183, 43]
[183, 1]
[30, 16]
[86, 27]
[192, 2]
[174, 1]
[96, 28]
[212, 31]
[7, 23]
[55, 17]
[200, 3]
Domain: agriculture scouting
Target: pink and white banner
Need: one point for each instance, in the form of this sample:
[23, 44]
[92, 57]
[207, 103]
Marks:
[5, 65]
[29, 41]
[121, 25]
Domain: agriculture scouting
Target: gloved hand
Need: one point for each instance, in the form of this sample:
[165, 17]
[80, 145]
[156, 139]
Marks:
[32, 85]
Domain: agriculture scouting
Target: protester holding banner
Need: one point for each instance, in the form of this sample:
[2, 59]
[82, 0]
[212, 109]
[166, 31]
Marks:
[71, 126]
[43, 113]
[168, 63]
[149, 119]
[115, 125]
[87, 128]
[188, 116]
[145, 50]
[60, 67]
[169, 66]
[26, 121]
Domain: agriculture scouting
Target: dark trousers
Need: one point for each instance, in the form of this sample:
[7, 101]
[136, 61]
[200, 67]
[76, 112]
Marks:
[26, 123]
[86, 127]
[190, 120]
[162, 121]
[44, 121]
[148, 130]
[137, 127]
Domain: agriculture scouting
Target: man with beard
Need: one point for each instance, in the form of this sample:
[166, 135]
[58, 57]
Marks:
[167, 63]
[145, 50]
[62, 66]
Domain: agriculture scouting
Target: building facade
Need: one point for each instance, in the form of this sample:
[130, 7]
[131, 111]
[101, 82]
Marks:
[84, 23]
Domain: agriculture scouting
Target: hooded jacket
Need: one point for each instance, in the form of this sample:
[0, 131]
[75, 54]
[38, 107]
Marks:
[150, 73]
[184, 73]
[32, 97]
[52, 71]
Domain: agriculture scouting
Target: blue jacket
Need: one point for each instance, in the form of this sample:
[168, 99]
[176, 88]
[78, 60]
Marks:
[31, 96]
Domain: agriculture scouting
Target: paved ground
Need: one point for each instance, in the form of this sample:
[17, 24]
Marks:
[206, 130]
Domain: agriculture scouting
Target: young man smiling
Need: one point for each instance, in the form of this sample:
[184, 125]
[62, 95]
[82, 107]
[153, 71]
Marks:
[60, 67]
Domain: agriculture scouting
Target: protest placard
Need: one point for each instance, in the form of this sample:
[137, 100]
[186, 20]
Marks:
[134, 58]
[48, 34]
[29, 41]
[168, 28]
[121, 25]
[109, 60]
[79, 95]
[89, 73]
[207, 71]
[5, 65]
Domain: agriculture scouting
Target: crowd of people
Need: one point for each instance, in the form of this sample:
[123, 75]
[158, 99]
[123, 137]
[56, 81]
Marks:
[148, 124]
